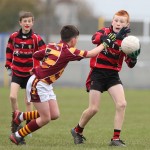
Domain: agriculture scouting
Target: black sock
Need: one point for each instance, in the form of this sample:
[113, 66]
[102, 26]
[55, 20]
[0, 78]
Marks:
[27, 121]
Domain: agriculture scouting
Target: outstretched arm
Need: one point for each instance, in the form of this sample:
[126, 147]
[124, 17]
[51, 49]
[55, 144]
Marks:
[95, 51]
[107, 42]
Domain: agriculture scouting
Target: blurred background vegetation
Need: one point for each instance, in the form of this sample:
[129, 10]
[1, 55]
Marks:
[46, 17]
[51, 15]
[9, 11]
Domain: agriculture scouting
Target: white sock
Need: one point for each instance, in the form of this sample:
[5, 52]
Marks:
[21, 117]
[17, 134]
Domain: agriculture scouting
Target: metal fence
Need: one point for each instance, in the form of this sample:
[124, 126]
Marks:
[137, 77]
[76, 72]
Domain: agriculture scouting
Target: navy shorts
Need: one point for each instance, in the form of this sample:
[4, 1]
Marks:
[103, 79]
[22, 81]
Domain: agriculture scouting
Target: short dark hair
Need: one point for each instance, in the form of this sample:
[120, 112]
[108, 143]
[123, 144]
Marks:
[25, 14]
[68, 32]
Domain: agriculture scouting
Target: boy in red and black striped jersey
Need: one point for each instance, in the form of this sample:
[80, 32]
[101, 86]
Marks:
[104, 77]
[19, 61]
[53, 59]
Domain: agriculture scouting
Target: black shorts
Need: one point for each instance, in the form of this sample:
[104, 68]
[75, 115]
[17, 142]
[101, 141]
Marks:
[103, 79]
[22, 81]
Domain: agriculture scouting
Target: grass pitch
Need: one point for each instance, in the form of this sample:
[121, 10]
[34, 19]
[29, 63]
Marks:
[72, 101]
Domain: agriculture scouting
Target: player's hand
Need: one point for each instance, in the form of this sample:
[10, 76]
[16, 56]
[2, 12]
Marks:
[9, 71]
[31, 71]
[135, 54]
[122, 33]
[108, 40]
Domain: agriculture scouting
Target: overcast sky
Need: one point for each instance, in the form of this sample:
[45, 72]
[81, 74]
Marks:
[138, 9]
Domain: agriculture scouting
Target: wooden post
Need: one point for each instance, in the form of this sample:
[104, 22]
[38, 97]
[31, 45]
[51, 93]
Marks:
[100, 22]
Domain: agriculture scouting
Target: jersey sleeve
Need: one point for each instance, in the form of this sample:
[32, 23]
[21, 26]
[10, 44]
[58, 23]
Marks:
[9, 52]
[97, 37]
[76, 54]
[41, 43]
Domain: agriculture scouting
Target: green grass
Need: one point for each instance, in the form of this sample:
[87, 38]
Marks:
[72, 101]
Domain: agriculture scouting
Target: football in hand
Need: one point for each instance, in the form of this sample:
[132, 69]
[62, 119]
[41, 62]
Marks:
[130, 44]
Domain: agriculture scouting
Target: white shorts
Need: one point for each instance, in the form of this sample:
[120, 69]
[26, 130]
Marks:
[38, 91]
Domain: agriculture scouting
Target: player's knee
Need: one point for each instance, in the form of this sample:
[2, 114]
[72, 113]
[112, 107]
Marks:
[55, 116]
[13, 98]
[46, 120]
[94, 110]
[122, 105]
[28, 103]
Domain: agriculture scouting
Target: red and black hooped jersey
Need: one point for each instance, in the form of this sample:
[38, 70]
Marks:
[110, 58]
[19, 51]
[54, 60]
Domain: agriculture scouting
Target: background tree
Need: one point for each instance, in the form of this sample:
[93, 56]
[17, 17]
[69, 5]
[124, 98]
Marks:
[46, 22]
[9, 11]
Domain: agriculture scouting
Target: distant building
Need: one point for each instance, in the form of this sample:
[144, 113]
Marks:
[66, 12]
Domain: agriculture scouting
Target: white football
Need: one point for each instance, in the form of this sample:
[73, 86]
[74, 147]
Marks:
[130, 44]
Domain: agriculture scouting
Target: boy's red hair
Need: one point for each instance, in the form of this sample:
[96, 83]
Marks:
[123, 13]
